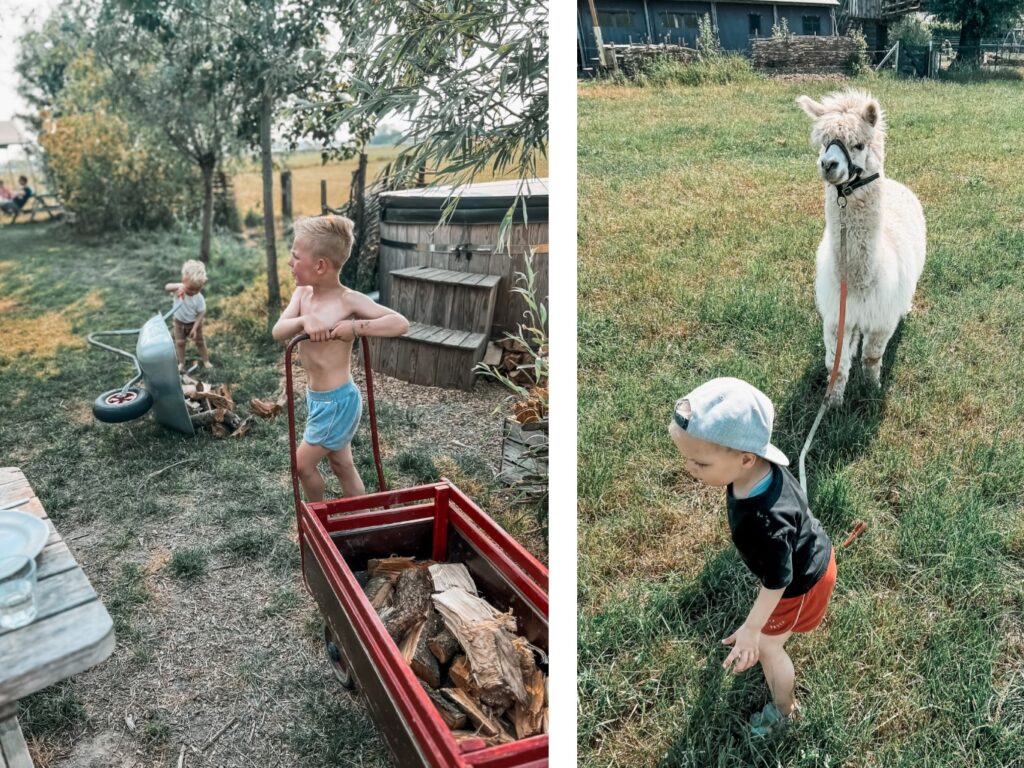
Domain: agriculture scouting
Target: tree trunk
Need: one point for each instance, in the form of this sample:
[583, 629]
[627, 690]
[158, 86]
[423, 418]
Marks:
[273, 287]
[207, 169]
[969, 54]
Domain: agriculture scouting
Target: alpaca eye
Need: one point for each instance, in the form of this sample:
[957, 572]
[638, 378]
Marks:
[859, 147]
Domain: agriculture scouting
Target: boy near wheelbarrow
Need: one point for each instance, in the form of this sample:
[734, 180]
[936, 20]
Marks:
[723, 430]
[333, 316]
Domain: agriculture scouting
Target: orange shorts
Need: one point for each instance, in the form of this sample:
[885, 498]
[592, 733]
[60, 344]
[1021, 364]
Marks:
[804, 613]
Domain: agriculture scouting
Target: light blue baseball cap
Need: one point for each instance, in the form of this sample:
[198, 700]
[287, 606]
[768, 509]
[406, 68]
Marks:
[732, 413]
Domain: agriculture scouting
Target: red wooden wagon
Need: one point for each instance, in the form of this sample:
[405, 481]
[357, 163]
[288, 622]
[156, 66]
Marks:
[435, 521]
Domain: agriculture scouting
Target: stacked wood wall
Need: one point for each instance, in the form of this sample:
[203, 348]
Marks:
[802, 53]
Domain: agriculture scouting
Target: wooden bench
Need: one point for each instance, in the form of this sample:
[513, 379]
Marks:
[72, 630]
[40, 204]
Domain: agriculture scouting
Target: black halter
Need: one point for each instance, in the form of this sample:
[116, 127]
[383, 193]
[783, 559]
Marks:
[855, 181]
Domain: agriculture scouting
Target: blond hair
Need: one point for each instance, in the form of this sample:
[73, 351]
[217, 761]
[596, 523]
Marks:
[329, 236]
[194, 271]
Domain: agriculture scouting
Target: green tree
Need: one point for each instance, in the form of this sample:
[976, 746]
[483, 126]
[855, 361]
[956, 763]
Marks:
[278, 60]
[174, 71]
[467, 77]
[44, 56]
[977, 19]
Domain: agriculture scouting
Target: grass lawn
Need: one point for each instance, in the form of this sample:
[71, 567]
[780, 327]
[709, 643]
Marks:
[307, 171]
[699, 214]
[190, 542]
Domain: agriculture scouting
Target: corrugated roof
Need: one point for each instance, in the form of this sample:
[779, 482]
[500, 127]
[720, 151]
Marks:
[9, 134]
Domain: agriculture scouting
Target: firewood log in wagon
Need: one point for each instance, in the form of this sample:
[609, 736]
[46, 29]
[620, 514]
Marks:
[453, 717]
[443, 645]
[528, 717]
[488, 725]
[390, 565]
[462, 677]
[447, 576]
[378, 590]
[412, 598]
[423, 663]
[486, 636]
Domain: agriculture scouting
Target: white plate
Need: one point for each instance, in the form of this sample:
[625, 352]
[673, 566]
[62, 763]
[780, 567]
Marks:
[21, 534]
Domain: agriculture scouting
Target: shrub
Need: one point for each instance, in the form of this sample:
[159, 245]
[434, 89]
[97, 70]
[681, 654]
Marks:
[707, 38]
[112, 175]
[717, 70]
[910, 30]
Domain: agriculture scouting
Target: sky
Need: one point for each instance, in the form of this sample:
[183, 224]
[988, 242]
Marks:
[16, 16]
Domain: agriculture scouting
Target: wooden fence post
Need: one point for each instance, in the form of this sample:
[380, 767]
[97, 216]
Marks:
[323, 197]
[286, 195]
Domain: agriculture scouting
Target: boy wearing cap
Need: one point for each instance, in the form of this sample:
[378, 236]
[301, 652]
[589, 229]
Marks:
[723, 430]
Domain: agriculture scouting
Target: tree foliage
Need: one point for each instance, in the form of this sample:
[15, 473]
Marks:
[468, 78]
[112, 173]
[174, 69]
[977, 19]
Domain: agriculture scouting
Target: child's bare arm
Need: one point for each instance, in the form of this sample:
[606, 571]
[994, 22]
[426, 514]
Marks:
[197, 324]
[290, 323]
[174, 287]
[746, 640]
[369, 319]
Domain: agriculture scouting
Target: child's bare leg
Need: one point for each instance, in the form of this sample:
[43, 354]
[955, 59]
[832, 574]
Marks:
[204, 355]
[179, 351]
[307, 457]
[778, 671]
[344, 467]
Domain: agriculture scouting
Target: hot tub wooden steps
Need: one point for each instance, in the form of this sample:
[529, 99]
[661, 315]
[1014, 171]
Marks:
[450, 315]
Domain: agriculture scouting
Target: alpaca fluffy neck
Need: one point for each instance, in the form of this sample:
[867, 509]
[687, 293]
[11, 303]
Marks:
[862, 217]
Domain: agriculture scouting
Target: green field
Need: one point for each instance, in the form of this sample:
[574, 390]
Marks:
[699, 214]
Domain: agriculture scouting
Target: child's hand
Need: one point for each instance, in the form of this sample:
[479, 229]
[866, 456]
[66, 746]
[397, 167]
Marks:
[316, 328]
[343, 331]
[192, 333]
[745, 651]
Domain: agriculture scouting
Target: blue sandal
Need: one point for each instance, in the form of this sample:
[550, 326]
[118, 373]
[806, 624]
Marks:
[768, 720]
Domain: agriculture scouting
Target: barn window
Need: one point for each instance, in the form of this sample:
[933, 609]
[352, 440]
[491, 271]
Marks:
[812, 25]
[615, 19]
[671, 20]
[755, 24]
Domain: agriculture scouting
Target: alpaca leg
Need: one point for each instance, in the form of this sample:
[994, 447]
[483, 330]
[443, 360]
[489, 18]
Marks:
[831, 333]
[875, 343]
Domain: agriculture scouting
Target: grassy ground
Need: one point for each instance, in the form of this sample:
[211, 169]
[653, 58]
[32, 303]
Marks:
[190, 541]
[307, 171]
[699, 214]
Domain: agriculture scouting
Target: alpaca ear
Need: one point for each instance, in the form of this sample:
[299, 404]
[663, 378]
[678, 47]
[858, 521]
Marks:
[813, 109]
[872, 112]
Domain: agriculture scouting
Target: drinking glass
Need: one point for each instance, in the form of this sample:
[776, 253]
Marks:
[17, 591]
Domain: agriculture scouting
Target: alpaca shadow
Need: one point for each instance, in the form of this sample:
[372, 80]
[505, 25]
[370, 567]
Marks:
[845, 433]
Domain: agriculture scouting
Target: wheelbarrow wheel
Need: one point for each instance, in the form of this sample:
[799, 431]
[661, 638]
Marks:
[337, 660]
[118, 405]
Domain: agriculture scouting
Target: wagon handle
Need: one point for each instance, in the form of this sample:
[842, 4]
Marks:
[371, 405]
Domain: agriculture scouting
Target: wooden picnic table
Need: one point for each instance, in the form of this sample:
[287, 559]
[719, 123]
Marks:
[71, 633]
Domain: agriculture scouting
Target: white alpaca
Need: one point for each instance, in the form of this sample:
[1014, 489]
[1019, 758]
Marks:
[885, 233]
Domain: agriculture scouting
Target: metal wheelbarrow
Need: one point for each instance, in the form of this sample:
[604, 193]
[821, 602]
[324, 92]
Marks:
[436, 521]
[156, 367]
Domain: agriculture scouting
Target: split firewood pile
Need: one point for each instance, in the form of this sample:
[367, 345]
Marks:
[483, 679]
[210, 407]
[512, 360]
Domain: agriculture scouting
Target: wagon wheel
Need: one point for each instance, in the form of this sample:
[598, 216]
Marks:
[337, 660]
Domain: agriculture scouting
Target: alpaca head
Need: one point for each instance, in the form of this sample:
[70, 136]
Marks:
[856, 119]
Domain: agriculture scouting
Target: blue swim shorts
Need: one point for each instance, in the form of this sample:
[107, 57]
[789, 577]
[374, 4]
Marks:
[333, 416]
